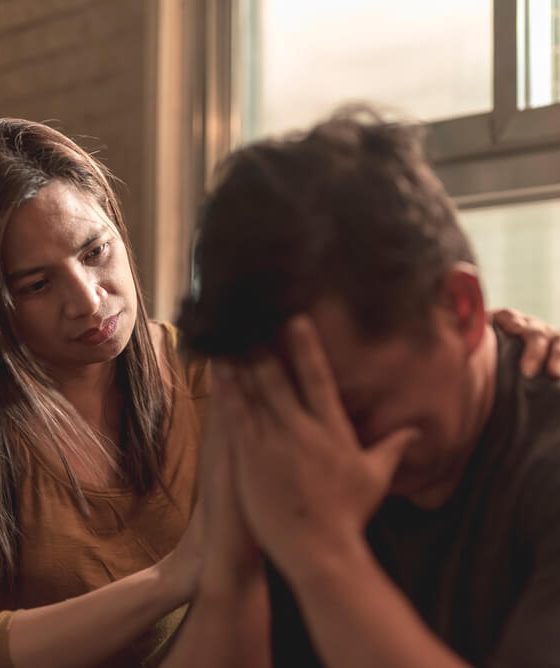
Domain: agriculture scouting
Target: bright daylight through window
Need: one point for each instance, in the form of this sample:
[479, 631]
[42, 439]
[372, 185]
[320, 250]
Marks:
[484, 76]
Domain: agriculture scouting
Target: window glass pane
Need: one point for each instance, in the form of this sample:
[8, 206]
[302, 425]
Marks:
[430, 58]
[518, 248]
[538, 60]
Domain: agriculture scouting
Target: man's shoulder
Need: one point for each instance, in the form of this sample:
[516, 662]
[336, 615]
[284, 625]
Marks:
[529, 421]
[530, 404]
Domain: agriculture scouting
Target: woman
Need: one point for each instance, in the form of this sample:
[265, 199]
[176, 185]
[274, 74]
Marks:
[99, 424]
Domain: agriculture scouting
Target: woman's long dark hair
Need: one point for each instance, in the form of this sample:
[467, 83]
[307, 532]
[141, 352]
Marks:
[32, 411]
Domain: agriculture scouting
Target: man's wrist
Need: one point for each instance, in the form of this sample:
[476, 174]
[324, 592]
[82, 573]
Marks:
[319, 567]
[220, 580]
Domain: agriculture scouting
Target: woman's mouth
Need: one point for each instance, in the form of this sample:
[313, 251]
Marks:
[98, 335]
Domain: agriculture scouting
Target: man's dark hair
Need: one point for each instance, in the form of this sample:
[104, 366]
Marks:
[350, 209]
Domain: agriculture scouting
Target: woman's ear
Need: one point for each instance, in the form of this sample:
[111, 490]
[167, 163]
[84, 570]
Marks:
[462, 297]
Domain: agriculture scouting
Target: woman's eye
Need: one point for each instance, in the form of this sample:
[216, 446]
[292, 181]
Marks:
[97, 252]
[34, 288]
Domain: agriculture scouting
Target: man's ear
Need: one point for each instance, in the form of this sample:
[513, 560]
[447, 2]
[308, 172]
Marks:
[462, 298]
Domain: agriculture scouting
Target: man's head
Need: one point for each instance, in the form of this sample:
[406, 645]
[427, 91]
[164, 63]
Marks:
[348, 224]
[350, 209]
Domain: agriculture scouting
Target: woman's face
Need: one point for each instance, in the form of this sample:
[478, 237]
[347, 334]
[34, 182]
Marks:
[69, 274]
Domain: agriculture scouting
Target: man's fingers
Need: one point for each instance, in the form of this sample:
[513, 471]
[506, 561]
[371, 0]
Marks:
[213, 446]
[384, 457]
[312, 369]
[275, 390]
[231, 405]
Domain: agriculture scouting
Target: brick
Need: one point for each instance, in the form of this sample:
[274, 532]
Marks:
[90, 28]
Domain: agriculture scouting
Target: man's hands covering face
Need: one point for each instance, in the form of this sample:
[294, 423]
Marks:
[304, 483]
[229, 554]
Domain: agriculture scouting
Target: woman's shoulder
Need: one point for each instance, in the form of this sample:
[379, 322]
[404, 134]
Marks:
[163, 334]
[195, 371]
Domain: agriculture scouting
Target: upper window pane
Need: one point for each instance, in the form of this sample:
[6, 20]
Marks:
[430, 59]
[518, 247]
[538, 53]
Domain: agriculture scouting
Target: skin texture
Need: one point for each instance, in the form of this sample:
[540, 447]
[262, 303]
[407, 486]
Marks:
[68, 272]
[433, 387]
[304, 458]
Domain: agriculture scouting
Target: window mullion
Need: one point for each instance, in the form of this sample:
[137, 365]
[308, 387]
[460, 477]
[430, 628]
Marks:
[505, 64]
[219, 89]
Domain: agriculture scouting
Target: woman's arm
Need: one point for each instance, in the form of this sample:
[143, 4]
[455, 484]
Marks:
[84, 630]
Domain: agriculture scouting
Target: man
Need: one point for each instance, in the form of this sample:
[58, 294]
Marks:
[372, 436]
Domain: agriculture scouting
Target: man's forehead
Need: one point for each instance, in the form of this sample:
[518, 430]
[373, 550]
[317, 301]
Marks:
[358, 365]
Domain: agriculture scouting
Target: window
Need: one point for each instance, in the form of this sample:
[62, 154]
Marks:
[418, 57]
[518, 248]
[538, 53]
[483, 75]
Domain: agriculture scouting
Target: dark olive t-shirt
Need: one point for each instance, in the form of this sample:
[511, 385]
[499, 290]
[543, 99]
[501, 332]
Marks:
[483, 571]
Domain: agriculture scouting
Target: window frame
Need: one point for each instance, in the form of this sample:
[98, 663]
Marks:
[508, 154]
[502, 156]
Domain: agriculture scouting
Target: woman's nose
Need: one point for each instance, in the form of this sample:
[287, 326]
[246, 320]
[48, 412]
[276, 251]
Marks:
[83, 297]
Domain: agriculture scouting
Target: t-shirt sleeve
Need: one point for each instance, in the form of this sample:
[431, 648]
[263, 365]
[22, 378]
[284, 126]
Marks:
[531, 637]
[5, 622]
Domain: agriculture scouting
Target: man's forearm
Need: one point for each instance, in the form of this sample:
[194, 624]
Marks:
[225, 628]
[358, 618]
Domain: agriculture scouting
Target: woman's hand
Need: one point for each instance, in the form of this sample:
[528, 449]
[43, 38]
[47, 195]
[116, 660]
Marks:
[179, 571]
[541, 340]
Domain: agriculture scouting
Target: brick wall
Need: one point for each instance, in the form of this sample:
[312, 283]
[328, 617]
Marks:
[87, 65]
